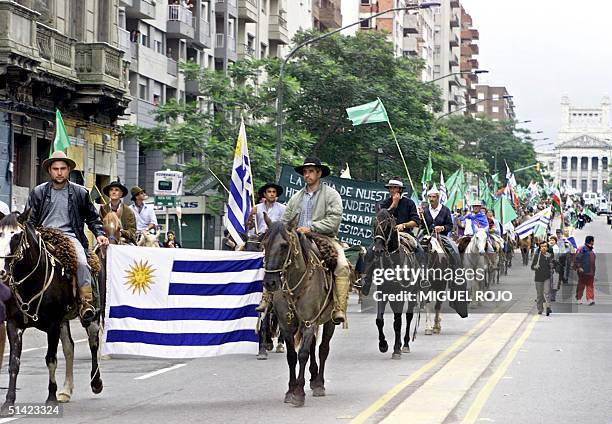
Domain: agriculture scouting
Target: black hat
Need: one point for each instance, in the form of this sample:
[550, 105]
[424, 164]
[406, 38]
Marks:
[117, 184]
[313, 161]
[262, 190]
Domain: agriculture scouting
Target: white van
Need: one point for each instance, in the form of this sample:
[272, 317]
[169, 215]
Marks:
[603, 207]
[590, 199]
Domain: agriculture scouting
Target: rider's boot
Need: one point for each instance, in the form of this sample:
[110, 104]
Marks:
[266, 299]
[341, 289]
[86, 310]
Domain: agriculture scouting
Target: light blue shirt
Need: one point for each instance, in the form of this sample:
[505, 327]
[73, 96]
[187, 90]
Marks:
[144, 217]
[307, 206]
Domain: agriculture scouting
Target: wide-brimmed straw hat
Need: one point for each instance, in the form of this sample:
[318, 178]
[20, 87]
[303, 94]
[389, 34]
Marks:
[58, 156]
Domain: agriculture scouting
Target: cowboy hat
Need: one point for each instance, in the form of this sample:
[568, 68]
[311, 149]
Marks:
[135, 191]
[394, 182]
[117, 184]
[262, 190]
[313, 161]
[58, 156]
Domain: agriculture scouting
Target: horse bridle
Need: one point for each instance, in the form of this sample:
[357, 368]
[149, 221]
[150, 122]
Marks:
[387, 240]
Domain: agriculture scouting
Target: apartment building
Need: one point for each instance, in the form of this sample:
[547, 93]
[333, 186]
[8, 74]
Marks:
[59, 55]
[492, 102]
[262, 29]
[418, 39]
[469, 49]
[326, 14]
[392, 22]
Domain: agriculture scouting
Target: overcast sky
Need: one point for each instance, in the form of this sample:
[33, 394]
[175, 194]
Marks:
[544, 49]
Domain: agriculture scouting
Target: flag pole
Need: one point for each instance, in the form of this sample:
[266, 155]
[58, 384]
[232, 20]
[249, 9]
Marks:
[220, 182]
[420, 212]
[252, 179]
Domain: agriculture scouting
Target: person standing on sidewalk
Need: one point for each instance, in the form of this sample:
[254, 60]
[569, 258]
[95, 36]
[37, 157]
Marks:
[585, 266]
[542, 265]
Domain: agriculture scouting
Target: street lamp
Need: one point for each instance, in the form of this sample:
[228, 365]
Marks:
[279, 89]
[472, 72]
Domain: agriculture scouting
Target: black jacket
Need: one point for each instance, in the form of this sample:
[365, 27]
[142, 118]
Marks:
[80, 210]
[405, 211]
[444, 218]
[545, 265]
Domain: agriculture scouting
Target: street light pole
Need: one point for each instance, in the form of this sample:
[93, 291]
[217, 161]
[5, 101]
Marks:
[281, 74]
[468, 105]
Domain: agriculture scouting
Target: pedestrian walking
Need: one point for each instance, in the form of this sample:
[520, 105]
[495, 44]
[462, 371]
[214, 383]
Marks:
[542, 265]
[555, 280]
[585, 266]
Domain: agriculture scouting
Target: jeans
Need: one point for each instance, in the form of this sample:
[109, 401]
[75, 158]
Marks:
[83, 270]
[543, 292]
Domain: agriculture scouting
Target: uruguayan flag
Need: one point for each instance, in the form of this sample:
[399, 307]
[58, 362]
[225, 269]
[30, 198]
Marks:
[241, 189]
[529, 226]
[181, 303]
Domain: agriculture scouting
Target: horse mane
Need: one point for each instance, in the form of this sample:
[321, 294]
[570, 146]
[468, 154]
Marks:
[279, 228]
[9, 221]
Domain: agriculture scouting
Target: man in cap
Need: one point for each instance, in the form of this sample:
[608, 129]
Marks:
[477, 217]
[67, 207]
[115, 191]
[270, 205]
[319, 208]
[145, 215]
[438, 220]
[402, 208]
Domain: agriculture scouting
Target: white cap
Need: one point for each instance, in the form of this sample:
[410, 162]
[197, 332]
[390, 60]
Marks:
[395, 183]
[433, 190]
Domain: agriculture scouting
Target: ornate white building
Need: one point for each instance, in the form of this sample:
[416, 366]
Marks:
[581, 154]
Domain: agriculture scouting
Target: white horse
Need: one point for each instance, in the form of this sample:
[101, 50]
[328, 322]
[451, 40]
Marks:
[474, 259]
[147, 239]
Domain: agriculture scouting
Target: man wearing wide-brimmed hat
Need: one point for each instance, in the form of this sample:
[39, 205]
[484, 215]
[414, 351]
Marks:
[318, 209]
[145, 215]
[66, 206]
[403, 209]
[269, 193]
[115, 191]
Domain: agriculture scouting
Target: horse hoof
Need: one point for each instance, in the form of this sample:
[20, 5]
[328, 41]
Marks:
[288, 397]
[96, 388]
[280, 348]
[406, 349]
[298, 401]
[5, 411]
[437, 330]
[51, 402]
[262, 356]
[63, 397]
[269, 346]
[383, 346]
[318, 391]
[396, 355]
[428, 331]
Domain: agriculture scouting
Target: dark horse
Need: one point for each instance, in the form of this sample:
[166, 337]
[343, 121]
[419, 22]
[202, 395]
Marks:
[386, 253]
[43, 298]
[303, 301]
[269, 321]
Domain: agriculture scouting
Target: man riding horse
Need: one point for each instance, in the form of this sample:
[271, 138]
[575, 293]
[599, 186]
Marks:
[115, 191]
[319, 210]
[438, 220]
[403, 209]
[66, 206]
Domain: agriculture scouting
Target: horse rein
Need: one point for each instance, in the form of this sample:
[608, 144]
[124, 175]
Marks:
[386, 240]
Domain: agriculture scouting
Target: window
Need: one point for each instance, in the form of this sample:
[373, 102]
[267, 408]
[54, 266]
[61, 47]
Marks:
[365, 2]
[157, 46]
[564, 162]
[563, 183]
[472, 100]
[480, 108]
[230, 27]
[594, 164]
[584, 164]
[264, 50]
[495, 97]
[551, 166]
[574, 164]
[583, 186]
[495, 109]
[604, 163]
[204, 11]
[365, 24]
[594, 186]
[481, 96]
[264, 6]
[573, 183]
[142, 91]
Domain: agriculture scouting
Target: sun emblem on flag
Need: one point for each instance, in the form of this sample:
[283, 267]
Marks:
[140, 277]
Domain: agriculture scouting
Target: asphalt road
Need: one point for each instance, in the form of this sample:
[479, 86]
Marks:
[501, 364]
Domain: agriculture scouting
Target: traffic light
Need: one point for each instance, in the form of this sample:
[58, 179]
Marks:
[538, 166]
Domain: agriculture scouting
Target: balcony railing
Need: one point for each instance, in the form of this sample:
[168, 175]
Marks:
[177, 12]
[172, 67]
[123, 36]
[220, 41]
[231, 43]
[54, 47]
[100, 63]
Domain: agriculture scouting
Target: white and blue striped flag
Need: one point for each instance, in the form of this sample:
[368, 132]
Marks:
[181, 303]
[241, 189]
[541, 218]
[442, 189]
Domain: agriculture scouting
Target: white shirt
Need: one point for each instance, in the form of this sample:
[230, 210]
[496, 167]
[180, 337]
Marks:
[145, 217]
[275, 213]
[434, 212]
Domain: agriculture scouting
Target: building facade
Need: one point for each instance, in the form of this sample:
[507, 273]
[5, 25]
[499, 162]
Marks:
[469, 51]
[59, 55]
[581, 154]
[326, 14]
[492, 102]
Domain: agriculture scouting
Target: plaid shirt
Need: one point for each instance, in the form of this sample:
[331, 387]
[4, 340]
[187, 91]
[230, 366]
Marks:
[307, 205]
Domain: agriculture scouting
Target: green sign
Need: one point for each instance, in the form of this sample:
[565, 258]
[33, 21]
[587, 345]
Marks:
[168, 201]
[359, 199]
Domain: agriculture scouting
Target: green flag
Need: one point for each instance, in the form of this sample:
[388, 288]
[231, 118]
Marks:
[504, 211]
[61, 142]
[451, 181]
[369, 113]
[453, 198]
[428, 171]
[496, 183]
[588, 212]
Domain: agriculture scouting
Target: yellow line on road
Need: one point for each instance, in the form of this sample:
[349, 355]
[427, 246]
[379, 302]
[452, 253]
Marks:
[486, 391]
[384, 399]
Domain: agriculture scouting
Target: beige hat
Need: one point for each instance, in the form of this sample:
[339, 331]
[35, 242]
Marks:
[58, 156]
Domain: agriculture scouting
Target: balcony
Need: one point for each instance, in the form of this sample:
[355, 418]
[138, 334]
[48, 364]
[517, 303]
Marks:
[202, 33]
[246, 51]
[475, 49]
[144, 112]
[410, 46]
[123, 37]
[56, 51]
[225, 47]
[141, 9]
[454, 40]
[454, 60]
[180, 22]
[278, 30]
[411, 24]
[100, 64]
[192, 88]
[455, 4]
[454, 22]
[17, 40]
[329, 14]
[226, 6]
[172, 67]
[247, 10]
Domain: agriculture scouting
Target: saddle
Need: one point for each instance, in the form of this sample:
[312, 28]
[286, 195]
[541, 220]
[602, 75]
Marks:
[325, 249]
[63, 250]
[408, 241]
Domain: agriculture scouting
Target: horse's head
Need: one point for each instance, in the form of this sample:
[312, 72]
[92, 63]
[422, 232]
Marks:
[252, 242]
[148, 239]
[14, 233]
[278, 243]
[480, 240]
[112, 227]
[384, 225]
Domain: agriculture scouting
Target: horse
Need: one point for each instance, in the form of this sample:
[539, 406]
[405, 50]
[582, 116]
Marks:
[510, 245]
[303, 300]
[494, 259]
[525, 247]
[44, 298]
[269, 321]
[148, 239]
[473, 253]
[387, 252]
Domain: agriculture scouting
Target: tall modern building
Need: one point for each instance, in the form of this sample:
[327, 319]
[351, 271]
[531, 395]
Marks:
[492, 102]
[61, 55]
[469, 49]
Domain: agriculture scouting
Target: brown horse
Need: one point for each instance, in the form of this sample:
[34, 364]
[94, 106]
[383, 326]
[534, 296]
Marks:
[303, 300]
[525, 246]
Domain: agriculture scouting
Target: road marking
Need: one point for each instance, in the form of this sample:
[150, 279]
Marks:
[457, 376]
[8, 420]
[39, 348]
[486, 391]
[158, 372]
[384, 399]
